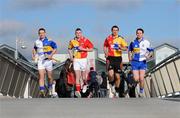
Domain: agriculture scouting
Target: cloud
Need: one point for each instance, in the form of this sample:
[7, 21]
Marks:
[32, 4]
[114, 5]
[178, 1]
[101, 4]
[10, 27]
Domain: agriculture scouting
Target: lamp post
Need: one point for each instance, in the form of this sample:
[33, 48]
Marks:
[18, 41]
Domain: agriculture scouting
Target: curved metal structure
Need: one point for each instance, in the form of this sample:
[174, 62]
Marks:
[163, 80]
[16, 79]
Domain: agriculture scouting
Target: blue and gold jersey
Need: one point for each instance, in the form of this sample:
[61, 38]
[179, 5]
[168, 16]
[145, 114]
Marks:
[44, 46]
[140, 49]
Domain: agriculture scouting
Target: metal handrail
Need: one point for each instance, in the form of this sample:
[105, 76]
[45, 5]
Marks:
[164, 62]
[101, 60]
[6, 55]
[26, 83]
[58, 65]
[28, 64]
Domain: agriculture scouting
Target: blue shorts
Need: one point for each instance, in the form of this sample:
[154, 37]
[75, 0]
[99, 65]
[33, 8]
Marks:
[138, 65]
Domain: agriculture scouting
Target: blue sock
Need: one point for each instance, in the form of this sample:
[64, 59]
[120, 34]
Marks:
[50, 86]
[141, 90]
[41, 88]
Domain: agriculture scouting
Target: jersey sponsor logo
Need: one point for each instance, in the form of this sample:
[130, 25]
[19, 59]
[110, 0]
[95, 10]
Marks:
[136, 50]
[136, 46]
[47, 48]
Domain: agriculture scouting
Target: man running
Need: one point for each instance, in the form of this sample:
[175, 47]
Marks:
[78, 49]
[44, 49]
[139, 51]
[113, 47]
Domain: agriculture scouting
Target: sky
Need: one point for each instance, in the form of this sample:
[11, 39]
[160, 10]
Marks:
[21, 19]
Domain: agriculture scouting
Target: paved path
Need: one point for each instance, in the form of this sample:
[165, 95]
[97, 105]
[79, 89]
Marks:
[89, 108]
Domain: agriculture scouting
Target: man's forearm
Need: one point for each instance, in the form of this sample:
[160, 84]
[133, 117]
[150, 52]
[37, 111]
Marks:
[33, 52]
[53, 52]
[129, 56]
[150, 55]
[89, 50]
[123, 48]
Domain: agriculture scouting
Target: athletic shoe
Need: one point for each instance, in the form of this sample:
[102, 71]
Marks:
[113, 91]
[78, 94]
[54, 96]
[116, 95]
[41, 94]
[85, 87]
[110, 94]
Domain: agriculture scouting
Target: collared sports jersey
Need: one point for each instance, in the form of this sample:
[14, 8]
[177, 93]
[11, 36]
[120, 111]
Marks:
[44, 47]
[82, 42]
[114, 43]
[140, 49]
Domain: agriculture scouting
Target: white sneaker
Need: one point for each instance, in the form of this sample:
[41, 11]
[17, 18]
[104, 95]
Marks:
[53, 90]
[113, 91]
[85, 87]
[127, 96]
[78, 94]
[110, 94]
[54, 95]
[116, 95]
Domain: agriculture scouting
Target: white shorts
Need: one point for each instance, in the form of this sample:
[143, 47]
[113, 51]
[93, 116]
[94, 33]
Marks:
[45, 64]
[80, 64]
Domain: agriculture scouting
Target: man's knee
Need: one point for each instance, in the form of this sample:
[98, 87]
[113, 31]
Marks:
[136, 77]
[50, 78]
[84, 75]
[77, 73]
[141, 80]
[111, 73]
[41, 78]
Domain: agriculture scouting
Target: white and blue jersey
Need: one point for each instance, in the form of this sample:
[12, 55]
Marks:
[44, 47]
[139, 49]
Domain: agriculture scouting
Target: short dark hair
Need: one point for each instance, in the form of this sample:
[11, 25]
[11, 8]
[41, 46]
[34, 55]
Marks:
[115, 26]
[41, 29]
[78, 29]
[140, 29]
